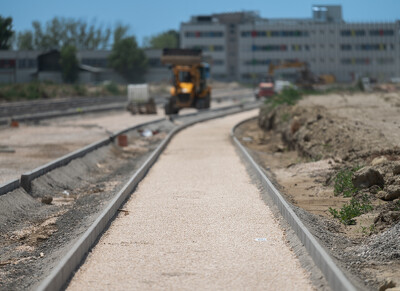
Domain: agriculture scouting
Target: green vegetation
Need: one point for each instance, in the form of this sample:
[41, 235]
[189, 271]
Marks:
[69, 64]
[128, 59]
[168, 39]
[112, 88]
[288, 96]
[343, 184]
[6, 33]
[351, 210]
[41, 90]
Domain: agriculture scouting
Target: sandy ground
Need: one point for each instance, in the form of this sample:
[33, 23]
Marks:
[34, 145]
[195, 222]
[37, 144]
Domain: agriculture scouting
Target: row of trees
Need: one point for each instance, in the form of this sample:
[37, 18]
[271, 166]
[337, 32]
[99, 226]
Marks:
[69, 35]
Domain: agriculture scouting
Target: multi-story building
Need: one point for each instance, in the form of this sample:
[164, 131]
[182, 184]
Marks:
[242, 45]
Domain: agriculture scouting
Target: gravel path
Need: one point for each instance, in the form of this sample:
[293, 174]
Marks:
[195, 222]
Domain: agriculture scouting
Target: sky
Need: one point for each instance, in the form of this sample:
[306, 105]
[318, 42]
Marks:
[147, 17]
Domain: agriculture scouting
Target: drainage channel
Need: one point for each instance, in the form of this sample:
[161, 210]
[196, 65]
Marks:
[49, 173]
[333, 274]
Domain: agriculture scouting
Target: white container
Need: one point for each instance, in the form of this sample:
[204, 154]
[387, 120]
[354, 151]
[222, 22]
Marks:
[138, 93]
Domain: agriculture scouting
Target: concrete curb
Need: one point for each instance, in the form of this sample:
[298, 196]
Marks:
[64, 270]
[28, 177]
[335, 277]
[9, 186]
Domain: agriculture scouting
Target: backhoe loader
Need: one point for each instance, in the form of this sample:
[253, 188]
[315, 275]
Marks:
[189, 80]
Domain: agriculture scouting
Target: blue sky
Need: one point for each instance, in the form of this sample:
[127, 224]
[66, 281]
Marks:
[147, 18]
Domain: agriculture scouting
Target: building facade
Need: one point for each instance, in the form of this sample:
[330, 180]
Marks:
[242, 45]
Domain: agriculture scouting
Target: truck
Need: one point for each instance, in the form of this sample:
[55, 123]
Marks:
[190, 75]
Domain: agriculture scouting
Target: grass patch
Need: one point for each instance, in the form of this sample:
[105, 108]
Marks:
[343, 184]
[352, 209]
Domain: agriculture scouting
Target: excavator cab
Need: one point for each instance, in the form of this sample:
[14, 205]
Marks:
[189, 80]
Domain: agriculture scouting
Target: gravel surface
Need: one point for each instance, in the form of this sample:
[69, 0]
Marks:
[195, 222]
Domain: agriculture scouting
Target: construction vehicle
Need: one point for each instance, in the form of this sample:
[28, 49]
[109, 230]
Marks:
[265, 88]
[301, 76]
[189, 79]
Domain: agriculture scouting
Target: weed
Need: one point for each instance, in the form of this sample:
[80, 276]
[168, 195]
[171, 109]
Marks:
[343, 183]
[288, 96]
[351, 210]
[80, 90]
[285, 117]
[397, 205]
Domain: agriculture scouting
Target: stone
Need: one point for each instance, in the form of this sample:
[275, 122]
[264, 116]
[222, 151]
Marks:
[378, 161]
[396, 169]
[47, 199]
[381, 195]
[295, 126]
[367, 177]
[393, 192]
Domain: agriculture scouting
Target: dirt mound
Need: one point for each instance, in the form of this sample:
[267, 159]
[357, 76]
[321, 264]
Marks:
[336, 159]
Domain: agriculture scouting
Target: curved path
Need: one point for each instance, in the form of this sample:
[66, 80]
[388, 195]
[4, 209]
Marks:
[195, 222]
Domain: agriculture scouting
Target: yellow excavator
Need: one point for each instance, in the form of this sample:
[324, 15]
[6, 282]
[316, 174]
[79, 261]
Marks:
[189, 79]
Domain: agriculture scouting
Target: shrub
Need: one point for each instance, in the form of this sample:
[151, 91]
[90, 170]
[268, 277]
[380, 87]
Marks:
[351, 210]
[288, 96]
[343, 184]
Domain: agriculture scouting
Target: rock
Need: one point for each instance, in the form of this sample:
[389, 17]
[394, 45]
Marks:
[280, 148]
[378, 160]
[381, 195]
[393, 192]
[366, 177]
[396, 169]
[295, 126]
[374, 189]
[47, 199]
[388, 284]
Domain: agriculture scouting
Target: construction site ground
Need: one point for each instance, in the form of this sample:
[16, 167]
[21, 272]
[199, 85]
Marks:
[304, 147]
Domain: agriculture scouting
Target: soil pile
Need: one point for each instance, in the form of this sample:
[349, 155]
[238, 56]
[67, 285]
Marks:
[339, 163]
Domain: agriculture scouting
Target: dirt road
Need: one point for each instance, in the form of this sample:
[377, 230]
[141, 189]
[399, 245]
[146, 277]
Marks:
[195, 222]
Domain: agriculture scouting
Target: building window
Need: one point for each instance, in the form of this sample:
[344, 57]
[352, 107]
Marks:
[274, 33]
[208, 48]
[385, 61]
[218, 62]
[352, 32]
[278, 47]
[355, 61]
[27, 63]
[190, 34]
[381, 32]
[345, 47]
[7, 64]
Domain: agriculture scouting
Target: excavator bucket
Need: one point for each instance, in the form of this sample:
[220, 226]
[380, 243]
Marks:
[183, 57]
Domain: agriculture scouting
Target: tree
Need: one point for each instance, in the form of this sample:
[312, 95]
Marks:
[168, 39]
[25, 40]
[60, 31]
[6, 33]
[69, 64]
[128, 60]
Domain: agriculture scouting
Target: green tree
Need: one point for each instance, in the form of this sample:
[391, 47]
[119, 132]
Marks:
[168, 39]
[69, 64]
[60, 31]
[128, 59]
[25, 40]
[6, 33]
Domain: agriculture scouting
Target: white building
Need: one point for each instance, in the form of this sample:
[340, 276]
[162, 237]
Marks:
[242, 44]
